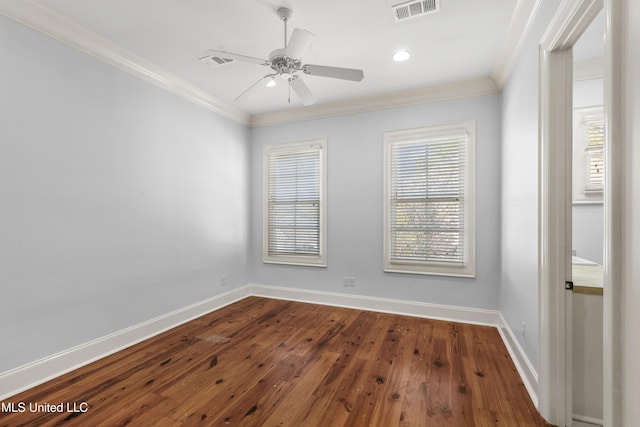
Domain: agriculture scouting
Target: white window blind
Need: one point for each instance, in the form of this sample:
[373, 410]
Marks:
[294, 211]
[595, 156]
[429, 207]
[588, 157]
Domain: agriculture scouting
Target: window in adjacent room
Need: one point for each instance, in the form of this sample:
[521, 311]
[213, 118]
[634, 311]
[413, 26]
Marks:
[429, 216]
[594, 153]
[588, 164]
[294, 203]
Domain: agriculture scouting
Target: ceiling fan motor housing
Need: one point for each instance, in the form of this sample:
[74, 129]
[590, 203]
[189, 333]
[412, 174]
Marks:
[283, 65]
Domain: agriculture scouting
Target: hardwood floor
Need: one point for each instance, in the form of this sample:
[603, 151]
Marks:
[278, 363]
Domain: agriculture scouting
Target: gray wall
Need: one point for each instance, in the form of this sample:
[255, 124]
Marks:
[588, 219]
[119, 202]
[114, 192]
[588, 232]
[355, 205]
[519, 192]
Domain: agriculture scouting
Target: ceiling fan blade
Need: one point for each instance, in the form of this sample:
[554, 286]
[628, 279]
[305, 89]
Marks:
[298, 43]
[252, 86]
[236, 57]
[303, 92]
[334, 72]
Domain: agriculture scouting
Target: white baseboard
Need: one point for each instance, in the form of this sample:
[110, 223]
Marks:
[385, 305]
[40, 371]
[476, 316]
[590, 420]
[523, 364]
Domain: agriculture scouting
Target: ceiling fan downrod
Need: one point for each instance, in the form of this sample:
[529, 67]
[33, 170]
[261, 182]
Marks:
[285, 14]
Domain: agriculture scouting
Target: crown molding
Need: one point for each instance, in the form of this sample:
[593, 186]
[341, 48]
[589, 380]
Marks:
[46, 21]
[457, 90]
[521, 20]
[34, 15]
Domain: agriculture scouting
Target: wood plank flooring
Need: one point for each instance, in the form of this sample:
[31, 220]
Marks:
[264, 362]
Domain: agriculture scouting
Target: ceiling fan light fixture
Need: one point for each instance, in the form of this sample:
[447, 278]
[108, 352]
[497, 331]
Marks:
[286, 73]
[271, 82]
[401, 55]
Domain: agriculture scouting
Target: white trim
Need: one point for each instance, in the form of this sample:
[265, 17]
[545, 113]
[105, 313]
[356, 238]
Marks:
[523, 364]
[40, 371]
[521, 20]
[617, 218]
[556, 82]
[476, 316]
[48, 22]
[589, 420]
[571, 20]
[553, 216]
[445, 92]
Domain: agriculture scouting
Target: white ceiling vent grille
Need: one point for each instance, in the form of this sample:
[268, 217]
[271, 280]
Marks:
[215, 61]
[413, 9]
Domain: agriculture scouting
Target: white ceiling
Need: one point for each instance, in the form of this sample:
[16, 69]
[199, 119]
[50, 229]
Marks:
[461, 42]
[467, 40]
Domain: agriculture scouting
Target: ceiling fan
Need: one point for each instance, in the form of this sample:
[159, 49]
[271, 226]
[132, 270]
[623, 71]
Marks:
[286, 63]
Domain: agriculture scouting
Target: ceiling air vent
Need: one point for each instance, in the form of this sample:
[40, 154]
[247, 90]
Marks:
[413, 9]
[215, 61]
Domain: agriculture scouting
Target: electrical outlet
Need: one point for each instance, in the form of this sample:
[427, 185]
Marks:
[348, 282]
[524, 326]
[223, 281]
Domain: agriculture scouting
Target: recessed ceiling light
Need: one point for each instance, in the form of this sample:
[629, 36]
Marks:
[401, 55]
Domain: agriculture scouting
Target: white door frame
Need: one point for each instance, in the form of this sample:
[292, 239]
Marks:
[614, 208]
[572, 17]
[554, 208]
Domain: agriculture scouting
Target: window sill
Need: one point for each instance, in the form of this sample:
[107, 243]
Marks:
[296, 262]
[432, 271]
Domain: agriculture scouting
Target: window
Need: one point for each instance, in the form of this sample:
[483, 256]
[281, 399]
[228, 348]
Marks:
[588, 155]
[430, 200]
[594, 153]
[294, 210]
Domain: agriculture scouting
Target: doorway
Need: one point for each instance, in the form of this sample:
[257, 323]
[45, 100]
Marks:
[587, 225]
[555, 207]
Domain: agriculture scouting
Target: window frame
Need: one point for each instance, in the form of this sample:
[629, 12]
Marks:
[301, 259]
[468, 267]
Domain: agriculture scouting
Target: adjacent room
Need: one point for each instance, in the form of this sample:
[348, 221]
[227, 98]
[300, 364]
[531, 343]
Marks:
[298, 213]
